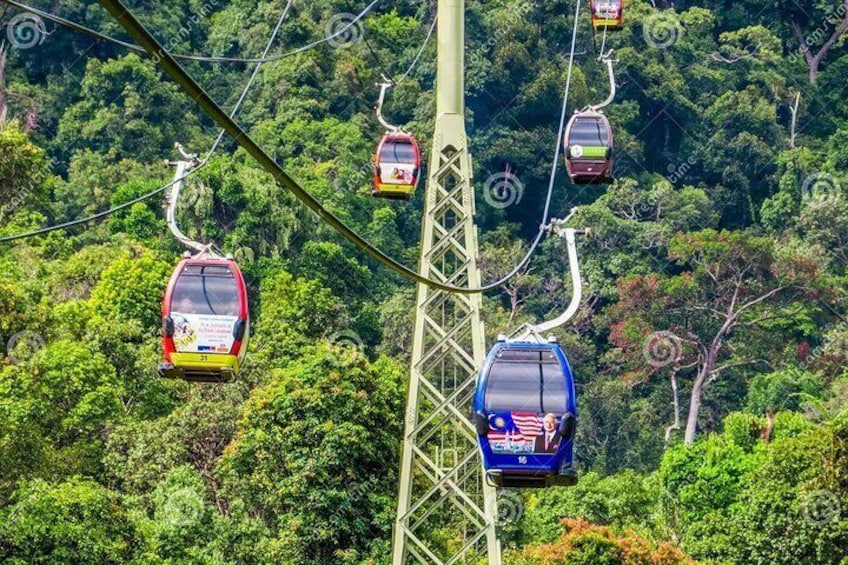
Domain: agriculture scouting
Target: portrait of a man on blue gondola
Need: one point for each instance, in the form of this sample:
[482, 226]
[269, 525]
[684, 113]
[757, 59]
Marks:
[548, 440]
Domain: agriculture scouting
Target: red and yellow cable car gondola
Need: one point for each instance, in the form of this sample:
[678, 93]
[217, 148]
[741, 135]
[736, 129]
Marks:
[397, 166]
[205, 321]
[589, 148]
[607, 14]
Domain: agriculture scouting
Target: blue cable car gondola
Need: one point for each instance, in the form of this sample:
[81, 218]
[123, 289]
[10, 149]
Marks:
[525, 412]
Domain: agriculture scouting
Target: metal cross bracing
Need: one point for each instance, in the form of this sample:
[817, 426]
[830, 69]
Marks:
[446, 512]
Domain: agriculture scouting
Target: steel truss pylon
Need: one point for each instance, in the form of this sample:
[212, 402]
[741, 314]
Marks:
[446, 512]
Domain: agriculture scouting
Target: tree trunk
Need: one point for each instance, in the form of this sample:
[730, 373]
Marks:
[513, 303]
[814, 60]
[694, 409]
[698, 392]
[794, 110]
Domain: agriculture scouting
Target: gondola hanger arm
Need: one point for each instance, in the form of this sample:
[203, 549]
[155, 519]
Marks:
[384, 87]
[527, 331]
[188, 161]
[609, 62]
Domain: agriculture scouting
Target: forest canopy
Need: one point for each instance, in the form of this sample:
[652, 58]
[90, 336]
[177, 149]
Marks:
[709, 350]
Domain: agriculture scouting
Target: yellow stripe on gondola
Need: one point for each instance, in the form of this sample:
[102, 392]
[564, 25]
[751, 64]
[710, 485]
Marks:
[205, 361]
[396, 188]
[610, 23]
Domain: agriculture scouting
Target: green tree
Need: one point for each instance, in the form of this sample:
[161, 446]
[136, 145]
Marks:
[55, 409]
[120, 100]
[584, 543]
[75, 521]
[23, 172]
[131, 288]
[310, 454]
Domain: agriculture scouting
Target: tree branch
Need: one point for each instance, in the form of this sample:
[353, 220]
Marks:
[717, 56]
[813, 61]
[799, 35]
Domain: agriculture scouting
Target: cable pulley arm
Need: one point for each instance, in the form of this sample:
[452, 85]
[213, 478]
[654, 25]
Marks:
[535, 331]
[384, 87]
[171, 212]
[609, 62]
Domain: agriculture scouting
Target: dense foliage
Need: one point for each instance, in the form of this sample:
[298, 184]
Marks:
[709, 354]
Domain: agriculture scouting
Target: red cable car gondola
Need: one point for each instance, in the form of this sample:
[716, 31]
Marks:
[397, 166]
[205, 321]
[589, 148]
[607, 14]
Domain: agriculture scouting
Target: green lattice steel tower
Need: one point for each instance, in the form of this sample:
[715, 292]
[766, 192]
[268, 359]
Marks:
[446, 513]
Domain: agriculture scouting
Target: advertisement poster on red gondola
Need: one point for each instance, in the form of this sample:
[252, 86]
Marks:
[396, 173]
[196, 333]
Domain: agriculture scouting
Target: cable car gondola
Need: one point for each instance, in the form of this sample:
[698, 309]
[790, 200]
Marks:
[397, 166]
[589, 148]
[205, 321]
[525, 414]
[607, 14]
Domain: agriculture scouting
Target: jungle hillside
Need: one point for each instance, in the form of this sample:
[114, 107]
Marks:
[709, 349]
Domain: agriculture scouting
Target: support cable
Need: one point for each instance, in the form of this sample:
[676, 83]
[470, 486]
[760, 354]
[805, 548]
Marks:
[387, 77]
[420, 52]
